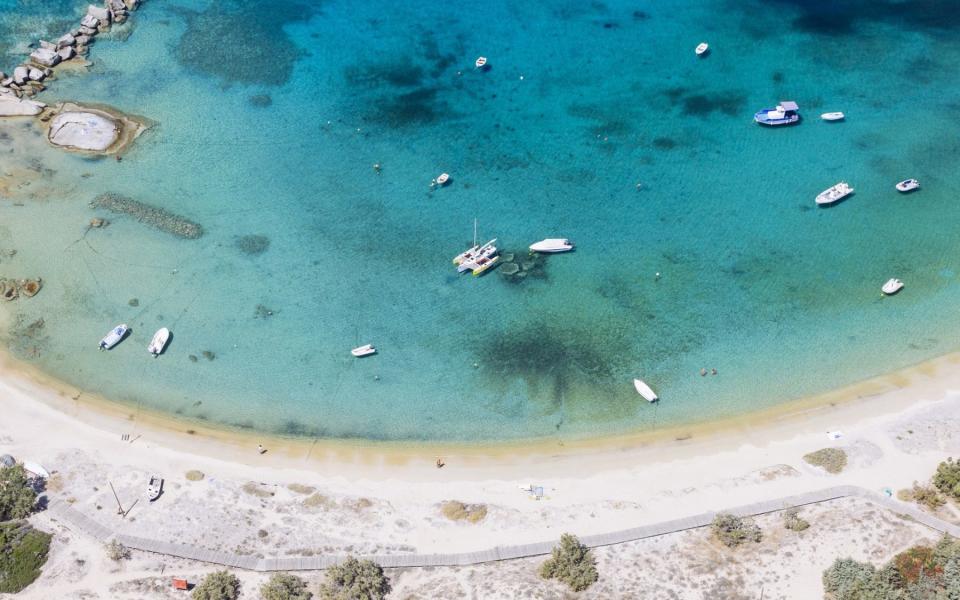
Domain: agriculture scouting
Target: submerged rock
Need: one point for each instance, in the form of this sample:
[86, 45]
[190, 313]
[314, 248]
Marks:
[509, 268]
[8, 290]
[83, 131]
[151, 215]
[30, 287]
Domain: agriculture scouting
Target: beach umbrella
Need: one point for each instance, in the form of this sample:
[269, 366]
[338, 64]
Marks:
[7, 460]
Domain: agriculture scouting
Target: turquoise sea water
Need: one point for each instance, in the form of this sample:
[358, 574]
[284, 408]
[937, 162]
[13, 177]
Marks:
[270, 116]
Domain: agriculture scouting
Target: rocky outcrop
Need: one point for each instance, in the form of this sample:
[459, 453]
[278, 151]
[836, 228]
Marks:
[96, 130]
[47, 57]
[16, 107]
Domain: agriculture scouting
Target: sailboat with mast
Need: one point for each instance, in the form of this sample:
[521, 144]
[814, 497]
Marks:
[469, 259]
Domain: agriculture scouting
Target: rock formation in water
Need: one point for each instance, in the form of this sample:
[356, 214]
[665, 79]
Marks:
[151, 215]
[99, 130]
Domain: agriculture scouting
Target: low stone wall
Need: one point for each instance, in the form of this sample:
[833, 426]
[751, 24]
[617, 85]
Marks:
[151, 215]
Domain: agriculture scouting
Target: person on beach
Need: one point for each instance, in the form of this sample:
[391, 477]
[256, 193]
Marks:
[261, 449]
[440, 462]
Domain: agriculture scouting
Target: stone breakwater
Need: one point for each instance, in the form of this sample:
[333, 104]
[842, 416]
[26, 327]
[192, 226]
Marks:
[156, 217]
[26, 80]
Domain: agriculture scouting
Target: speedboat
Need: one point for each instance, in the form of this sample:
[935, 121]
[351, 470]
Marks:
[834, 194]
[552, 245]
[908, 185]
[644, 390]
[481, 63]
[702, 48]
[159, 342]
[833, 116]
[443, 179]
[892, 286]
[113, 338]
[154, 487]
[786, 113]
[365, 350]
[474, 253]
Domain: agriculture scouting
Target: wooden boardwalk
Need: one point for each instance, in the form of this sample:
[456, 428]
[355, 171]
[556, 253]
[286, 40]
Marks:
[73, 518]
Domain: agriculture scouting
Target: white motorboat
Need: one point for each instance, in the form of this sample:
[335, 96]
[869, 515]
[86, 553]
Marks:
[154, 487]
[365, 350]
[485, 251]
[908, 185]
[552, 245]
[481, 63]
[785, 113]
[892, 286]
[833, 116]
[113, 338]
[442, 179]
[644, 390]
[159, 342]
[834, 193]
[702, 48]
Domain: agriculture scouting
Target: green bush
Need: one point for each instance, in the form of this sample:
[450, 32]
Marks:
[572, 563]
[355, 580]
[947, 478]
[926, 495]
[846, 579]
[732, 530]
[951, 578]
[793, 521]
[17, 497]
[219, 585]
[284, 586]
[23, 550]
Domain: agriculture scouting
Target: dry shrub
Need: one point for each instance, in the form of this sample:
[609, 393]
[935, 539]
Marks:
[299, 488]
[194, 475]
[458, 511]
[832, 460]
[256, 489]
[318, 501]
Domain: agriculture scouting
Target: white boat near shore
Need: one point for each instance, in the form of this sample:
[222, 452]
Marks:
[552, 245]
[892, 286]
[365, 350]
[908, 185]
[702, 48]
[159, 342]
[833, 116]
[644, 390]
[114, 337]
[834, 193]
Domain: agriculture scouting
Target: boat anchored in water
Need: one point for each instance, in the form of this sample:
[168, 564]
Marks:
[114, 337]
[482, 63]
[442, 179]
[702, 48]
[552, 245]
[644, 390]
[834, 193]
[908, 185]
[785, 113]
[892, 286]
[159, 342]
[365, 350]
[833, 116]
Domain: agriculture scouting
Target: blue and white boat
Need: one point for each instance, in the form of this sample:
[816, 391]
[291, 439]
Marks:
[786, 113]
[113, 338]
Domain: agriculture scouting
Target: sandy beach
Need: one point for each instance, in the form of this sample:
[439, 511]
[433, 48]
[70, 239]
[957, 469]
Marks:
[304, 497]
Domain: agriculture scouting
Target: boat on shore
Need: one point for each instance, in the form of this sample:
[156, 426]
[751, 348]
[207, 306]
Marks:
[154, 487]
[114, 337]
[908, 185]
[785, 113]
[892, 286]
[159, 342]
[552, 245]
[645, 390]
[481, 63]
[834, 193]
[833, 116]
[702, 48]
[365, 350]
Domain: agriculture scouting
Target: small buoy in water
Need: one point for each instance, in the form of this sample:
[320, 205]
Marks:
[713, 371]
[657, 276]
[521, 78]
[639, 185]
[376, 167]
[703, 372]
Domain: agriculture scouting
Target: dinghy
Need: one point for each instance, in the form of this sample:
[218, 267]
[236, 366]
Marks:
[365, 350]
[892, 286]
[113, 338]
[159, 342]
[908, 185]
[702, 48]
[552, 245]
[833, 116]
[644, 390]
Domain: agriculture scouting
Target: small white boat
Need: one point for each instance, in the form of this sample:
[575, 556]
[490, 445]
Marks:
[442, 179]
[892, 286]
[365, 350]
[644, 390]
[785, 113]
[908, 185]
[159, 342]
[833, 116]
[834, 193]
[113, 338]
[702, 48]
[552, 245]
[154, 488]
[481, 63]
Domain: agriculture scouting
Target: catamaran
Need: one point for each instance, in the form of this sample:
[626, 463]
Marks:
[159, 342]
[473, 252]
[483, 263]
[113, 338]
[834, 193]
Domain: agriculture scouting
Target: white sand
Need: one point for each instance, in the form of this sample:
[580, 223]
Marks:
[385, 499]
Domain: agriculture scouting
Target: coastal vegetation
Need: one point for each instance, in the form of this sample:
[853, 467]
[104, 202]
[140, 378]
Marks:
[458, 511]
[947, 478]
[117, 551]
[355, 580]
[23, 551]
[794, 522]
[219, 585]
[732, 530]
[832, 460]
[194, 475]
[571, 563]
[918, 572]
[285, 586]
[924, 495]
[17, 496]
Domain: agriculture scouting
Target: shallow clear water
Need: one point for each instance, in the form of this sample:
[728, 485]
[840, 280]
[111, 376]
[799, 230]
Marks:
[268, 142]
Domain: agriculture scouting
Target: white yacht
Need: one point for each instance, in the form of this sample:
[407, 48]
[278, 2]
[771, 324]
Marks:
[892, 286]
[552, 245]
[834, 194]
[365, 350]
[487, 250]
[159, 342]
[113, 338]
[644, 390]
[908, 185]
[702, 48]
[833, 116]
